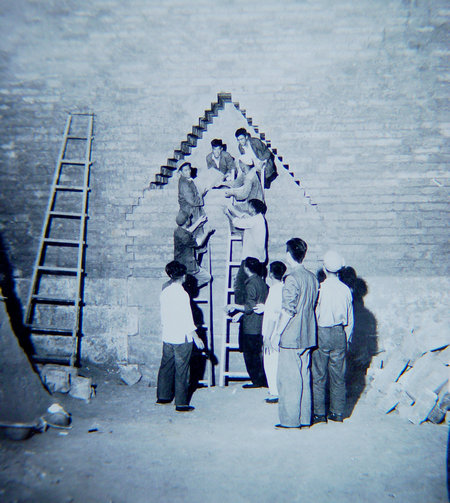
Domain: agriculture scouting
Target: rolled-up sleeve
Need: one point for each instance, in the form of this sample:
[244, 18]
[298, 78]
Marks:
[290, 296]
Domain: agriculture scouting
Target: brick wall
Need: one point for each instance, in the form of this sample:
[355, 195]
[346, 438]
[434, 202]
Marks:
[352, 96]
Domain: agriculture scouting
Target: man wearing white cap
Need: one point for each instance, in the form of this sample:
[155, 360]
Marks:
[334, 314]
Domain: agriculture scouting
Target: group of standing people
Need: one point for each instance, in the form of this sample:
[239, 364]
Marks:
[290, 332]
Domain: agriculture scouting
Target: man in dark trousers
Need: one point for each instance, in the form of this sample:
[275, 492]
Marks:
[258, 151]
[335, 321]
[297, 330]
[250, 333]
[178, 336]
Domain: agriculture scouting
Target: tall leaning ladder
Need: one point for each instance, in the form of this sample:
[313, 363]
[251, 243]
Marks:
[230, 331]
[206, 301]
[55, 300]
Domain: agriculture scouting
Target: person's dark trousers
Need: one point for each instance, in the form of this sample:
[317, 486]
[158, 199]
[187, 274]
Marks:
[329, 360]
[173, 374]
[253, 358]
[239, 285]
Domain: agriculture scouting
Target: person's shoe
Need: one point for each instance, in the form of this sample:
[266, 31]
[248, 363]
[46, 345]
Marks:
[162, 401]
[184, 408]
[319, 418]
[272, 400]
[282, 426]
[338, 418]
[251, 385]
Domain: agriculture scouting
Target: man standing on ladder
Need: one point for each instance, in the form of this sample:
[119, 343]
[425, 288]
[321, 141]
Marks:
[250, 332]
[254, 241]
[297, 330]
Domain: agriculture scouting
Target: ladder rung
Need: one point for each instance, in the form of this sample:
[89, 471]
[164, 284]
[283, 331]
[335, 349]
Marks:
[234, 264]
[70, 188]
[66, 214]
[50, 269]
[229, 345]
[77, 137]
[52, 300]
[74, 161]
[235, 374]
[51, 331]
[51, 359]
[63, 242]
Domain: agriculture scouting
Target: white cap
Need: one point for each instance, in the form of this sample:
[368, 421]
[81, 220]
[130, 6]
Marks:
[332, 261]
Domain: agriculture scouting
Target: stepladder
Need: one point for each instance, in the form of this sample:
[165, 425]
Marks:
[230, 330]
[54, 309]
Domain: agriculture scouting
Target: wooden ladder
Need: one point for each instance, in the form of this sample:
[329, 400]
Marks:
[54, 309]
[206, 299]
[230, 332]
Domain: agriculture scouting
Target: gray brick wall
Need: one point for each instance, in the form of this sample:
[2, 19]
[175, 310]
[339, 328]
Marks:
[352, 95]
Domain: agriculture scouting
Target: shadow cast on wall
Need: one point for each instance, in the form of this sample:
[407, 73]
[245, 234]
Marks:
[199, 357]
[12, 302]
[364, 344]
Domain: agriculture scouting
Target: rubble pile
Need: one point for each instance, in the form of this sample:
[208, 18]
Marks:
[412, 379]
[64, 379]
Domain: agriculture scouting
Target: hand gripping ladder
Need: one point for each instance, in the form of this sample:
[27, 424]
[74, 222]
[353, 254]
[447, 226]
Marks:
[54, 309]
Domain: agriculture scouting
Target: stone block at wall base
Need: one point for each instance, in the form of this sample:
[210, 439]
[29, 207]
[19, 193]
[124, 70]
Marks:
[106, 349]
[129, 373]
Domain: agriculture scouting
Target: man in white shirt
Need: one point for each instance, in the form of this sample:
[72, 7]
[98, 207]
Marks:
[272, 311]
[254, 241]
[334, 314]
[178, 335]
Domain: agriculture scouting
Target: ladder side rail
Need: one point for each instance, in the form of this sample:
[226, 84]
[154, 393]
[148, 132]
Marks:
[81, 240]
[225, 332]
[211, 374]
[35, 273]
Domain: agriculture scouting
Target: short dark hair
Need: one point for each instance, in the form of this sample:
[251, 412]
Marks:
[277, 269]
[258, 206]
[175, 269]
[217, 142]
[241, 131]
[297, 248]
[253, 265]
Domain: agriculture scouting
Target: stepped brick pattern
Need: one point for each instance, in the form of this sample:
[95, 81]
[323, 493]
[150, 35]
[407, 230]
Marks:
[351, 97]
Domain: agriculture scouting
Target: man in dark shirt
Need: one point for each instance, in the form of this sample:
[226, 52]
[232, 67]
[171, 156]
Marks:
[185, 245]
[250, 333]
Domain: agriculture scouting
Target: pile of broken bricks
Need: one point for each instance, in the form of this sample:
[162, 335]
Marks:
[411, 380]
[64, 379]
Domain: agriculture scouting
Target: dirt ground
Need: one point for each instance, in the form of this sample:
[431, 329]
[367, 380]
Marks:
[124, 448]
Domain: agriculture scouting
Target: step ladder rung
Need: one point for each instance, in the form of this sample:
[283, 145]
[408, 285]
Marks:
[52, 300]
[65, 332]
[52, 359]
[77, 162]
[63, 242]
[55, 269]
[231, 346]
[70, 188]
[66, 214]
[243, 375]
